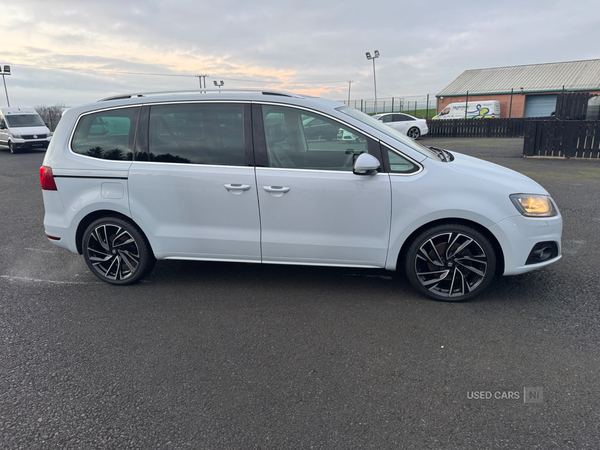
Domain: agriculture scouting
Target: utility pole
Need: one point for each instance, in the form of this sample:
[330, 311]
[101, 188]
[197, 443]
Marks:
[5, 71]
[349, 84]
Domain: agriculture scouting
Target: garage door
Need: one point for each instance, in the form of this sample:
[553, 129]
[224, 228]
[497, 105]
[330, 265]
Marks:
[540, 105]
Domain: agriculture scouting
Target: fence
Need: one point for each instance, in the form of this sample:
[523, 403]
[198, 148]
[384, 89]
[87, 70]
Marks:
[476, 127]
[571, 138]
[572, 106]
[422, 106]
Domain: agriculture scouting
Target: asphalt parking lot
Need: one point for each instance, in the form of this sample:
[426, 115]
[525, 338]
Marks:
[240, 356]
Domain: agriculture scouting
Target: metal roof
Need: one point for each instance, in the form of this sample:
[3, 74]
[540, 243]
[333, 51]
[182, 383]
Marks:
[573, 75]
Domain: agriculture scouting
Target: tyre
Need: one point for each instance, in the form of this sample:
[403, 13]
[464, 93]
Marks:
[450, 262]
[11, 147]
[414, 133]
[116, 251]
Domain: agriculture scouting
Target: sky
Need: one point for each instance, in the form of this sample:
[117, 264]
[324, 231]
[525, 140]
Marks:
[72, 52]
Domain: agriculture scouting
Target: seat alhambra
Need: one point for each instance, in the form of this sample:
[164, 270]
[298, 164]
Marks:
[278, 178]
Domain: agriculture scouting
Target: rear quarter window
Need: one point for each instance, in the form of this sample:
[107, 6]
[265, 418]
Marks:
[106, 134]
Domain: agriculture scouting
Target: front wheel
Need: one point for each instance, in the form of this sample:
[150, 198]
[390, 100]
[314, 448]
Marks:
[116, 251]
[450, 262]
[414, 133]
[11, 147]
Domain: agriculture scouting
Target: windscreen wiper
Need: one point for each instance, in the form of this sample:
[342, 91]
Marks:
[444, 155]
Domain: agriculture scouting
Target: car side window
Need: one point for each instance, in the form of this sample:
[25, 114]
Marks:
[194, 133]
[399, 164]
[298, 139]
[107, 134]
[387, 118]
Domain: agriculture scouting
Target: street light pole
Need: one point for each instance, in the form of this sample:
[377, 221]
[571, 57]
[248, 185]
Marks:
[349, 84]
[375, 56]
[5, 71]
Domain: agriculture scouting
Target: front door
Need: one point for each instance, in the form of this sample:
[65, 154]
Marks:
[313, 209]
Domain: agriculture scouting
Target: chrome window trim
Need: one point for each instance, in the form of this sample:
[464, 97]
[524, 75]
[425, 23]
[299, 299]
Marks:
[346, 124]
[188, 164]
[319, 170]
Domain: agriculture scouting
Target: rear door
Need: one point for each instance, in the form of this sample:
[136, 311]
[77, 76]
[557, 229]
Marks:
[400, 122]
[192, 185]
[313, 208]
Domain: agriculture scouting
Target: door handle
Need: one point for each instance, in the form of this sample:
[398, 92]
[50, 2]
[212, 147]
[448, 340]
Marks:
[237, 188]
[276, 189]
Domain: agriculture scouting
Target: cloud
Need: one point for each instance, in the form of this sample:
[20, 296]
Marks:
[312, 47]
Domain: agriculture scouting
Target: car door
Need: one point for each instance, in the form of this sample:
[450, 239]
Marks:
[3, 131]
[313, 208]
[192, 185]
[400, 122]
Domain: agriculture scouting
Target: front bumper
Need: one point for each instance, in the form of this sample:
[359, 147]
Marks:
[518, 235]
[23, 144]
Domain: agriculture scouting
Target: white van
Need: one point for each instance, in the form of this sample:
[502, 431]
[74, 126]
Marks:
[475, 110]
[23, 128]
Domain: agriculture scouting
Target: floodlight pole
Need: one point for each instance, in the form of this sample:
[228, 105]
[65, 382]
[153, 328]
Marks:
[200, 78]
[5, 71]
[349, 84]
[375, 56]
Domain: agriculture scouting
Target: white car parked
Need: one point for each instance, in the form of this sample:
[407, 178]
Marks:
[411, 126]
[236, 177]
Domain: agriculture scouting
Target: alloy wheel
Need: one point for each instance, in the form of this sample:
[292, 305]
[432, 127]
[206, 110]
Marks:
[414, 133]
[113, 252]
[451, 262]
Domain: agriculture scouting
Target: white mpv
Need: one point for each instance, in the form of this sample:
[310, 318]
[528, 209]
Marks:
[274, 177]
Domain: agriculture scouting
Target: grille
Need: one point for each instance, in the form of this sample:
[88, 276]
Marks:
[35, 136]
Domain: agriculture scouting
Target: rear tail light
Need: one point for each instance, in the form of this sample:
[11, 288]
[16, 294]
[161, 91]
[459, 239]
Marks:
[47, 179]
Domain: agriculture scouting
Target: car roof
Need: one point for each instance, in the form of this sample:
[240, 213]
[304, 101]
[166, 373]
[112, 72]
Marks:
[208, 95]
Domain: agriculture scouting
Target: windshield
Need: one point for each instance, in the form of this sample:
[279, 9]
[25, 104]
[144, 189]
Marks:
[24, 120]
[380, 126]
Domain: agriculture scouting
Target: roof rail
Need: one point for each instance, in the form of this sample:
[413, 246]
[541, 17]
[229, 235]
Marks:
[204, 91]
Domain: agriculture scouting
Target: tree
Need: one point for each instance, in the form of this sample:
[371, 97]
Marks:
[51, 115]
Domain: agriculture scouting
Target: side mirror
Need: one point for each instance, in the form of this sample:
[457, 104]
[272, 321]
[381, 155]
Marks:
[366, 164]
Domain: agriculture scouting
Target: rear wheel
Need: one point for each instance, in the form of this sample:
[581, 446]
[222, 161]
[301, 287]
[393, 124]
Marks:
[450, 262]
[116, 251]
[414, 133]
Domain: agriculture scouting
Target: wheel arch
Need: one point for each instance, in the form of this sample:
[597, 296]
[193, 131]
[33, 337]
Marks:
[87, 220]
[483, 230]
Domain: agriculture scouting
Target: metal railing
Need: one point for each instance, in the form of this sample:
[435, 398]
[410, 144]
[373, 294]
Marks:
[422, 106]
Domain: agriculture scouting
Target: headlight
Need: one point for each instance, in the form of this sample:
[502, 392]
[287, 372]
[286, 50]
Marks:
[534, 205]
[15, 134]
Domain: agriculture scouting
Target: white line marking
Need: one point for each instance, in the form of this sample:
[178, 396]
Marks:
[37, 280]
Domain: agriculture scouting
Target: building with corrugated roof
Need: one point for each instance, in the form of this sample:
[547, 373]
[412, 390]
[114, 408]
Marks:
[523, 91]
